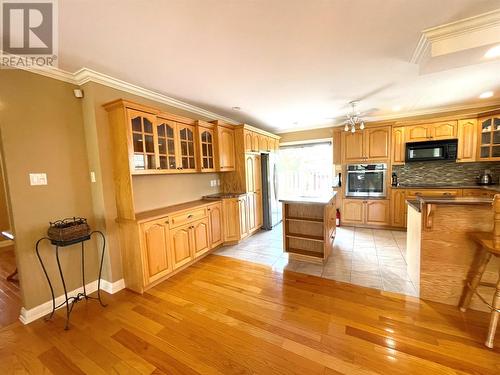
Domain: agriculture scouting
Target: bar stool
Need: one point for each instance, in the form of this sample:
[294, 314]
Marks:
[490, 246]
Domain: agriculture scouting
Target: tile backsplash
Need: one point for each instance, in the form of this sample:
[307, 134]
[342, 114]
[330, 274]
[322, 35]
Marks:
[444, 172]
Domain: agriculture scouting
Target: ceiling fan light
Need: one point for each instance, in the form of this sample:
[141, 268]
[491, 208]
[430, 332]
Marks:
[353, 129]
[362, 126]
[346, 128]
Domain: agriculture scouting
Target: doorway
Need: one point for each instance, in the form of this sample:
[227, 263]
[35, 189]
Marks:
[10, 294]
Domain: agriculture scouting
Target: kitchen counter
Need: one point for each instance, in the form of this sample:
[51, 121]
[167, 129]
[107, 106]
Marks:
[449, 186]
[219, 196]
[313, 200]
[440, 251]
[418, 203]
[165, 211]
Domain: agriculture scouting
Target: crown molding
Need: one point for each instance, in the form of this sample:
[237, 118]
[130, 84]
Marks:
[481, 22]
[475, 108]
[86, 75]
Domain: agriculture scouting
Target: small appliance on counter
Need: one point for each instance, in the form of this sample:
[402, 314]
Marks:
[485, 178]
[394, 180]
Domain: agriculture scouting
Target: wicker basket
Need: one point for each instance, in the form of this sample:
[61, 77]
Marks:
[68, 229]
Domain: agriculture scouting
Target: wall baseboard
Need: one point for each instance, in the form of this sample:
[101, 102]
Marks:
[28, 316]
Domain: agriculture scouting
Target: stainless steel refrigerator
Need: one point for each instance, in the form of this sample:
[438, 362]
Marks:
[271, 206]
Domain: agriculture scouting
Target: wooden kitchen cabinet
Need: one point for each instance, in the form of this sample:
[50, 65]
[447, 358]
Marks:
[263, 143]
[235, 219]
[353, 147]
[432, 132]
[366, 212]
[226, 149]
[206, 147]
[467, 141]
[155, 250]
[418, 133]
[398, 146]
[377, 143]
[251, 208]
[353, 211]
[215, 218]
[200, 237]
[248, 140]
[372, 144]
[180, 245]
[444, 130]
[143, 140]
[398, 208]
[489, 138]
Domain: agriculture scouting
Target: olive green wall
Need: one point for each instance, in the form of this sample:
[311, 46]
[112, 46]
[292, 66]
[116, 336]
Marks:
[42, 131]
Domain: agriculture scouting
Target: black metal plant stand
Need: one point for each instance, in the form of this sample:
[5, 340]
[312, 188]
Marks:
[70, 302]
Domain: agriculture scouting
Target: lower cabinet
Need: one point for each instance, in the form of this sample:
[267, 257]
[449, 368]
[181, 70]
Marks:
[180, 245]
[398, 208]
[155, 250]
[216, 224]
[235, 213]
[366, 212]
[200, 237]
[252, 212]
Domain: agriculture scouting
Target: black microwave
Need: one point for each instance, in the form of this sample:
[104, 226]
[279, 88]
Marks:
[432, 150]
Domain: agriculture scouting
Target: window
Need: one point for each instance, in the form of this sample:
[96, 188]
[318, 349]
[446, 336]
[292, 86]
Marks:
[306, 169]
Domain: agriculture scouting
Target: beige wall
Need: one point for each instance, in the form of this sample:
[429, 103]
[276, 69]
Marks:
[42, 131]
[306, 135]
[4, 212]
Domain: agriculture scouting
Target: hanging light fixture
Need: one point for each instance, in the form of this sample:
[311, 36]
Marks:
[354, 118]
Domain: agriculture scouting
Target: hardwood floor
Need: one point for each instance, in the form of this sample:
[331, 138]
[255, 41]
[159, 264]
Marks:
[227, 316]
[10, 295]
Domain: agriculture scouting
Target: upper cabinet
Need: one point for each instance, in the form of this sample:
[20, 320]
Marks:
[431, 132]
[398, 146]
[144, 154]
[467, 141]
[225, 143]
[155, 142]
[489, 138]
[255, 142]
[372, 144]
[206, 146]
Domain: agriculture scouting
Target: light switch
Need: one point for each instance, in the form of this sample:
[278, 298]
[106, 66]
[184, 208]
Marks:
[37, 179]
[92, 176]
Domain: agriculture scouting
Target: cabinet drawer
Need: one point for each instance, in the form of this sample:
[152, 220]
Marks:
[433, 193]
[479, 193]
[188, 217]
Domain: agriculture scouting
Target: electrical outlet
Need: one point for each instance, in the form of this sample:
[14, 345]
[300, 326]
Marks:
[92, 176]
[37, 179]
[212, 183]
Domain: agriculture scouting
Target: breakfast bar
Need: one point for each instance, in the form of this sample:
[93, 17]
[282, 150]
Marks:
[440, 250]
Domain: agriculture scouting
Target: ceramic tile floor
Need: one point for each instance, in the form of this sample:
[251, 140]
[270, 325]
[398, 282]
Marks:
[368, 257]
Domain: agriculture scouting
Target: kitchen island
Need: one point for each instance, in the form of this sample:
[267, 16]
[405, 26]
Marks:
[440, 251]
[309, 227]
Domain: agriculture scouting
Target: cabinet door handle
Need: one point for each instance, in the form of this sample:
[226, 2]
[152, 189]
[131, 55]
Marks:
[190, 216]
[167, 222]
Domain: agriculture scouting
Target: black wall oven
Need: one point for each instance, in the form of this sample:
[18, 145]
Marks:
[366, 180]
[433, 150]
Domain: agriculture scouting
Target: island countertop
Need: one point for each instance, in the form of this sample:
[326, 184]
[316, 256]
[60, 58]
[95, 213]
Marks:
[313, 200]
[448, 186]
[419, 201]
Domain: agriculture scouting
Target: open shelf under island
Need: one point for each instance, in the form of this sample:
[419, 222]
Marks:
[309, 227]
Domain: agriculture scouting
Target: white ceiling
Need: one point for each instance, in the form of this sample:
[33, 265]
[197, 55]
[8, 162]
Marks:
[289, 64]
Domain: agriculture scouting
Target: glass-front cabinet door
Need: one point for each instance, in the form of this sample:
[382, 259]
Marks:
[143, 140]
[489, 138]
[206, 142]
[187, 145]
[166, 131]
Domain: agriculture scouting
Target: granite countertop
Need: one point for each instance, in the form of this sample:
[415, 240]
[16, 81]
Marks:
[318, 200]
[158, 213]
[449, 186]
[219, 196]
[420, 201]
